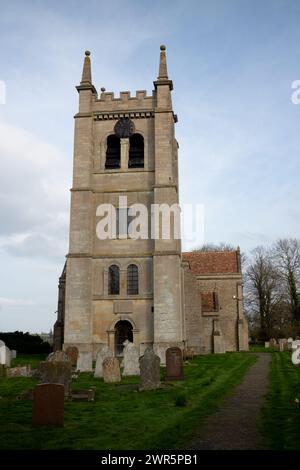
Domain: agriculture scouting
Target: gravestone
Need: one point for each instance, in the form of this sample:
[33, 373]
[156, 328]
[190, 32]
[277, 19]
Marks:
[56, 373]
[149, 370]
[111, 370]
[174, 364]
[2, 353]
[72, 354]
[267, 344]
[13, 354]
[188, 353]
[48, 405]
[273, 343]
[289, 343]
[20, 371]
[102, 354]
[131, 359]
[7, 357]
[85, 362]
[58, 356]
[282, 344]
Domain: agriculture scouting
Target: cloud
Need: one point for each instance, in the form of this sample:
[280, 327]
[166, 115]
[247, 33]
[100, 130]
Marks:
[34, 209]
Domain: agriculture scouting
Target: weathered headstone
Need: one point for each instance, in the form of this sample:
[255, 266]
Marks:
[83, 395]
[282, 344]
[267, 344]
[111, 370]
[58, 356]
[289, 343]
[48, 405]
[7, 357]
[20, 371]
[85, 362]
[150, 370]
[2, 352]
[56, 373]
[131, 359]
[13, 354]
[102, 354]
[72, 354]
[188, 353]
[174, 364]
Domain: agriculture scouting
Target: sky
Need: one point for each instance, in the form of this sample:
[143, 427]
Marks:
[232, 63]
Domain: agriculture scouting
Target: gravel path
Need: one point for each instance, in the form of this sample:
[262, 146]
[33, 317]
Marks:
[235, 425]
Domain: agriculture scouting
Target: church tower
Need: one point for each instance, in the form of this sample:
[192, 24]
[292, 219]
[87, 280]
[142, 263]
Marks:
[125, 154]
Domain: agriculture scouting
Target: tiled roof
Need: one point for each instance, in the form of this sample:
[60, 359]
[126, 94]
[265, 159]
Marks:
[212, 262]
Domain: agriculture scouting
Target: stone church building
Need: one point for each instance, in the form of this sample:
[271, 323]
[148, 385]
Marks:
[144, 290]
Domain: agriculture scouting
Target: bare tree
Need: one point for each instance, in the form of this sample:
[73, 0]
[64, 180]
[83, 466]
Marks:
[286, 256]
[262, 290]
[215, 247]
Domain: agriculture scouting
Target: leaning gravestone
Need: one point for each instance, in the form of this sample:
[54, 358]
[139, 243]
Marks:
[150, 370]
[174, 364]
[111, 370]
[56, 373]
[103, 353]
[131, 359]
[48, 405]
[85, 362]
[72, 354]
[58, 356]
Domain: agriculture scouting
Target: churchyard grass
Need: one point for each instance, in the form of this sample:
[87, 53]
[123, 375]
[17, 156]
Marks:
[281, 412]
[121, 417]
[24, 359]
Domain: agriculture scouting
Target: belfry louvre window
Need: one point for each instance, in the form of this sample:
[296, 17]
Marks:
[132, 280]
[136, 151]
[113, 152]
[114, 280]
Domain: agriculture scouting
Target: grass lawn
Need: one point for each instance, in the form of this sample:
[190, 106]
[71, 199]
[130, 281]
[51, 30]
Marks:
[121, 417]
[281, 413]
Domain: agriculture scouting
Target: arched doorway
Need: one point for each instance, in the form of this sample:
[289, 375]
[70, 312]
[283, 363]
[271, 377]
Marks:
[123, 331]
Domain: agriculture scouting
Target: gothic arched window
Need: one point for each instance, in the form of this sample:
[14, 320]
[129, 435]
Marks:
[113, 152]
[114, 280]
[136, 151]
[132, 280]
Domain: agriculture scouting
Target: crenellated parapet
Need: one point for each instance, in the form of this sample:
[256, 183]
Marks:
[140, 103]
